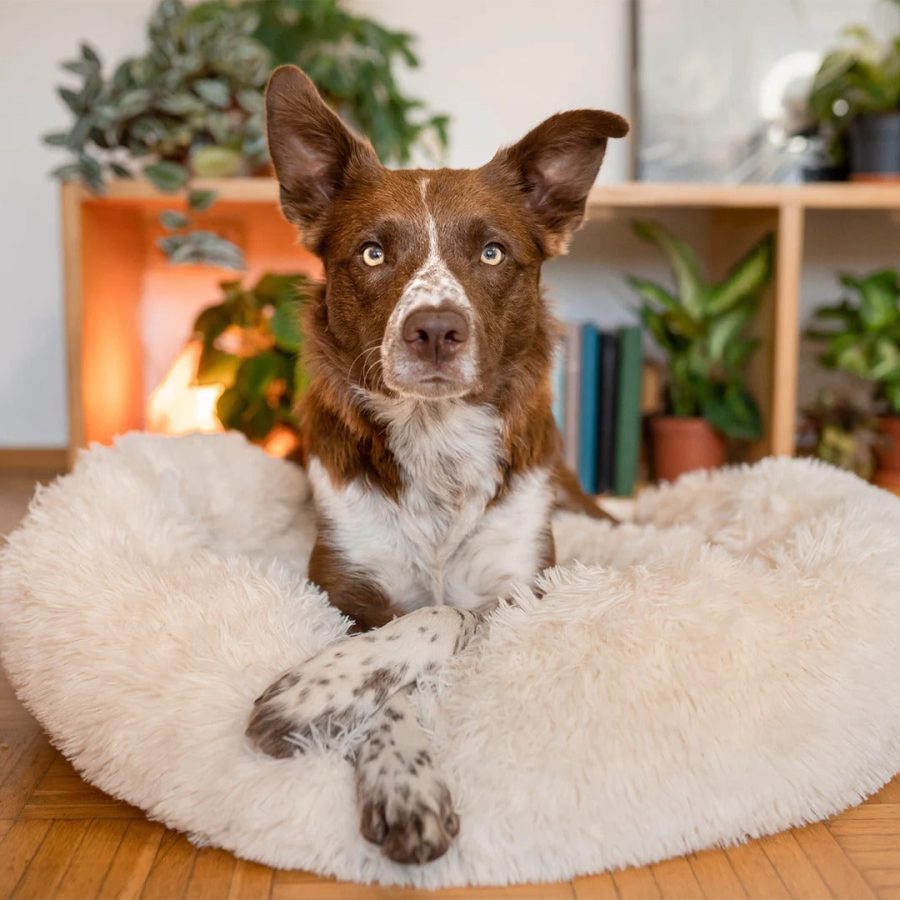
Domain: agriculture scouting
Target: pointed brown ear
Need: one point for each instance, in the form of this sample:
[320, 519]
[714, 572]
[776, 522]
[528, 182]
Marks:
[313, 152]
[555, 165]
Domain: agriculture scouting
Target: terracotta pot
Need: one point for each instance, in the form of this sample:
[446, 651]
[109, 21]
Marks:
[887, 453]
[683, 444]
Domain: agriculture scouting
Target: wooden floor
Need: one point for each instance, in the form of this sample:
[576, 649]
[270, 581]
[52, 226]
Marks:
[61, 838]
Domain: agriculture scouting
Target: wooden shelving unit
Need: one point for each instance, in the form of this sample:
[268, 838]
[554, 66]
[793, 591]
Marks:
[109, 247]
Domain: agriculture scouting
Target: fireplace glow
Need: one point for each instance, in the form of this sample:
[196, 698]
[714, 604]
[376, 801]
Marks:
[178, 405]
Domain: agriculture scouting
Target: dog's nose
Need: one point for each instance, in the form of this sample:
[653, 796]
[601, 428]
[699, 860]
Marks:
[435, 335]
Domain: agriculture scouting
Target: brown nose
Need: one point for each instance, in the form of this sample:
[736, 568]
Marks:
[435, 335]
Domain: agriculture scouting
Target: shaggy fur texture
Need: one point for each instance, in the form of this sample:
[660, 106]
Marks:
[726, 666]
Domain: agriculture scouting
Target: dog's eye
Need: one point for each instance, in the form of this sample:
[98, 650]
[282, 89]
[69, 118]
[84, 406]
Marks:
[372, 255]
[492, 254]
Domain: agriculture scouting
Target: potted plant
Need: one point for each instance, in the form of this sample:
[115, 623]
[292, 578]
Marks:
[251, 348]
[861, 335]
[701, 328]
[855, 98]
[192, 105]
[839, 432]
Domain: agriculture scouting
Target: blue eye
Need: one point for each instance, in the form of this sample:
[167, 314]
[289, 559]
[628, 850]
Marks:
[492, 254]
[373, 255]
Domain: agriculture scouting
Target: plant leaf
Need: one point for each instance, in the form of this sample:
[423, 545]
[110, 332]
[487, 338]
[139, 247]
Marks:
[215, 162]
[169, 177]
[286, 326]
[173, 219]
[682, 260]
[200, 200]
[745, 279]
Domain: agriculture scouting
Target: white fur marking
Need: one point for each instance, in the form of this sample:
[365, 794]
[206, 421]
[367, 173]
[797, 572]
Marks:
[439, 543]
[431, 285]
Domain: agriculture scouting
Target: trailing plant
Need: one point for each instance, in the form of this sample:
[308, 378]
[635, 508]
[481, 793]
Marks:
[701, 327]
[861, 77]
[192, 105]
[252, 344]
[861, 334]
[839, 432]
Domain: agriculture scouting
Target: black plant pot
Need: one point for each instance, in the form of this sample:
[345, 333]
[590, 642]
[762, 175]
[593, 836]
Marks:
[875, 147]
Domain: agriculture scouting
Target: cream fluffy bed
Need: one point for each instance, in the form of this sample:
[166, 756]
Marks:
[726, 666]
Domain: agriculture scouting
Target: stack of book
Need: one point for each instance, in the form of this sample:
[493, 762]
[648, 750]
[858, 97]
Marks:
[597, 405]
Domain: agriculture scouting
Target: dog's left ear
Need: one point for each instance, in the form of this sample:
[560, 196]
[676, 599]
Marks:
[555, 165]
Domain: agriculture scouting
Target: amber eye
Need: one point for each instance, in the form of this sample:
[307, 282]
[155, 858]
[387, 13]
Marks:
[373, 255]
[492, 254]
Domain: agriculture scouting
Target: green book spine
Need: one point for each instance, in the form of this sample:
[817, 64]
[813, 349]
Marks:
[628, 412]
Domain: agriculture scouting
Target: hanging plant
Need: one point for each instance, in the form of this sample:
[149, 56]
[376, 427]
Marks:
[192, 105]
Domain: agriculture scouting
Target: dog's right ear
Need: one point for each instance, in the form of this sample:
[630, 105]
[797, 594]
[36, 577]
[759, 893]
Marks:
[313, 152]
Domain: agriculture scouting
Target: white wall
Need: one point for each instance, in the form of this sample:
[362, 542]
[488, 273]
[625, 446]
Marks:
[35, 35]
[497, 68]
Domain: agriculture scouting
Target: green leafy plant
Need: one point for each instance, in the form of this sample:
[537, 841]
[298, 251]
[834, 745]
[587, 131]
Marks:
[253, 345]
[861, 333]
[839, 432]
[701, 327]
[860, 78]
[192, 105]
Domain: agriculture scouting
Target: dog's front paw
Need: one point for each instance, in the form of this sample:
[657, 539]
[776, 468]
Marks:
[322, 700]
[410, 817]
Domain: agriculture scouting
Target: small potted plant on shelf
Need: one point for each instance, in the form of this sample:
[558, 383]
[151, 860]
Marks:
[855, 98]
[701, 328]
[192, 105]
[252, 349]
[839, 432]
[861, 336]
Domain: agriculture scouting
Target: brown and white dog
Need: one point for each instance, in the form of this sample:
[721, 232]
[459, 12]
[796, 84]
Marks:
[431, 448]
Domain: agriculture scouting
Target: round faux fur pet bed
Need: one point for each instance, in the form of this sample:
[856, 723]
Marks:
[729, 666]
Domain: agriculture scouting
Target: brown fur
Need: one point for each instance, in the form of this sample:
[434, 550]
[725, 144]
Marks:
[529, 199]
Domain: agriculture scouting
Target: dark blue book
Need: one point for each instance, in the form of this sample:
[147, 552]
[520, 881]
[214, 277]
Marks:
[589, 424]
[608, 392]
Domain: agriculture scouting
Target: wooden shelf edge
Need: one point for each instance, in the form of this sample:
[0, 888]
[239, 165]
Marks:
[844, 195]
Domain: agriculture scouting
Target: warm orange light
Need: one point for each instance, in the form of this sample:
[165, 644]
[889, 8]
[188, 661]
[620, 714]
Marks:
[178, 405]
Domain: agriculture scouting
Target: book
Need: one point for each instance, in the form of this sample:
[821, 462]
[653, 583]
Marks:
[607, 389]
[628, 411]
[588, 421]
[558, 384]
[571, 431]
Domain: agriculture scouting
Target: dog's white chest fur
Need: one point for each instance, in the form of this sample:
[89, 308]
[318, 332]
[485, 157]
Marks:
[443, 541]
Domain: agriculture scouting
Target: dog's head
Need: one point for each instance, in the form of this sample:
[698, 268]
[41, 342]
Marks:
[432, 277]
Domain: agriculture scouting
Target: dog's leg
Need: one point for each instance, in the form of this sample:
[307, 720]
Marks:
[346, 683]
[405, 807]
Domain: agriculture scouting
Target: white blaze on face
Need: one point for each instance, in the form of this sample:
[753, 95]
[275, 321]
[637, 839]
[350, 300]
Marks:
[432, 286]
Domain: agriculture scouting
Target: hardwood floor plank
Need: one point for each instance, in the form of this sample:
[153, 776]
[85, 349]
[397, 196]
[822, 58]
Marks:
[755, 873]
[636, 884]
[24, 776]
[92, 860]
[17, 849]
[212, 875]
[171, 868]
[304, 886]
[251, 881]
[5, 825]
[866, 842]
[716, 876]
[595, 887]
[45, 871]
[832, 863]
[676, 880]
[132, 860]
[889, 812]
[799, 875]
[883, 878]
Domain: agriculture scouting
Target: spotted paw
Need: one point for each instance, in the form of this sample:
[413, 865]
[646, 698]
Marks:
[412, 823]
